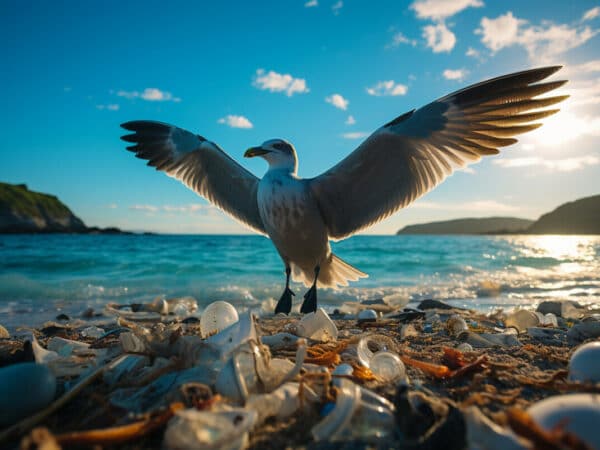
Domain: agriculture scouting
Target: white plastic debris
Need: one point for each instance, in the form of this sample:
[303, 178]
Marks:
[483, 434]
[576, 413]
[585, 363]
[93, 332]
[521, 319]
[383, 363]
[281, 403]
[358, 413]
[317, 326]
[204, 430]
[216, 317]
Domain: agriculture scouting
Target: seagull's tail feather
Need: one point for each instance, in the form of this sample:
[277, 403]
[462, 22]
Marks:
[334, 272]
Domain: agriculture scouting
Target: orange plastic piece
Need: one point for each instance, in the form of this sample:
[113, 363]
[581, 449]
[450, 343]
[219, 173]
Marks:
[119, 434]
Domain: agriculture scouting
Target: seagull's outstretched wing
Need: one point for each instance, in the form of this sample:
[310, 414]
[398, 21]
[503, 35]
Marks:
[413, 153]
[201, 165]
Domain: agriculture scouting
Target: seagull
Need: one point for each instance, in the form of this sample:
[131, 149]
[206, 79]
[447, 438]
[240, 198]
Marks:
[398, 163]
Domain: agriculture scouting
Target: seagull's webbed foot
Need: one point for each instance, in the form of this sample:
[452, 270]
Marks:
[310, 298]
[284, 305]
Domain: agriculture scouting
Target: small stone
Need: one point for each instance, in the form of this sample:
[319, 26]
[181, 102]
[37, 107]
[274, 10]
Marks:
[63, 317]
[367, 315]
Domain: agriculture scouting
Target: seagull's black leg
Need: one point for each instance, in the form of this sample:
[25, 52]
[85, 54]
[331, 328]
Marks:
[310, 298]
[284, 305]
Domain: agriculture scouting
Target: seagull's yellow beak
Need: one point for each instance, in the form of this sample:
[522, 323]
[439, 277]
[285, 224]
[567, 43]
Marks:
[255, 151]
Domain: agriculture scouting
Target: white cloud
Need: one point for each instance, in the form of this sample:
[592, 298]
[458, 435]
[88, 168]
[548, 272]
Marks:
[456, 74]
[337, 6]
[150, 94]
[174, 209]
[473, 53]
[591, 14]
[277, 82]
[109, 107]
[311, 3]
[442, 9]
[389, 87]
[543, 43]
[350, 120]
[555, 165]
[338, 101]
[439, 38]
[592, 66]
[399, 39]
[235, 121]
[147, 208]
[355, 135]
[566, 126]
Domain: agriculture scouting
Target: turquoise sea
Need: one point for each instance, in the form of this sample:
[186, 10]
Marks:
[43, 274]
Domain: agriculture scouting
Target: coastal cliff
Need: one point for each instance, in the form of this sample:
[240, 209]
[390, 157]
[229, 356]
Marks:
[25, 211]
[486, 225]
[579, 217]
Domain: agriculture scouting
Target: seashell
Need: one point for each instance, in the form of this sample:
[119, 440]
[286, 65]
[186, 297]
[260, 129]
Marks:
[317, 326]
[25, 388]
[464, 347]
[216, 317]
[408, 330]
[358, 414]
[456, 325]
[521, 319]
[577, 413]
[585, 363]
[367, 315]
[204, 430]
[4, 334]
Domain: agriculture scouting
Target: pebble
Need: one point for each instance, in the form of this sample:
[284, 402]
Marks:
[367, 315]
[25, 388]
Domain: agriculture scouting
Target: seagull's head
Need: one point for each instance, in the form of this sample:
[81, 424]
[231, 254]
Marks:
[279, 153]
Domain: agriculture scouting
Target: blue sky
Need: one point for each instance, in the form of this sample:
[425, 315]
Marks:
[322, 74]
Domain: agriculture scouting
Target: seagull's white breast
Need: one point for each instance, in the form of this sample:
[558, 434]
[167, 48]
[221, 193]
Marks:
[291, 217]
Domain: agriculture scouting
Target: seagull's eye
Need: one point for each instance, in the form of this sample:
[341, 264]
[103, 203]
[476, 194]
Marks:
[280, 146]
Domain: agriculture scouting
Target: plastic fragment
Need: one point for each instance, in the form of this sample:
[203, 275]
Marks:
[358, 413]
[317, 326]
[203, 430]
[116, 435]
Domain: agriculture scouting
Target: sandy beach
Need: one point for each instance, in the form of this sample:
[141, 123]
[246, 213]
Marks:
[448, 371]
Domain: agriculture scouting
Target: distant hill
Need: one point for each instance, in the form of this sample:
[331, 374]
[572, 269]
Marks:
[579, 217]
[487, 225]
[25, 211]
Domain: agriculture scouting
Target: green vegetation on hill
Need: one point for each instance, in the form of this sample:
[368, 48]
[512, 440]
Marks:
[579, 217]
[487, 225]
[22, 210]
